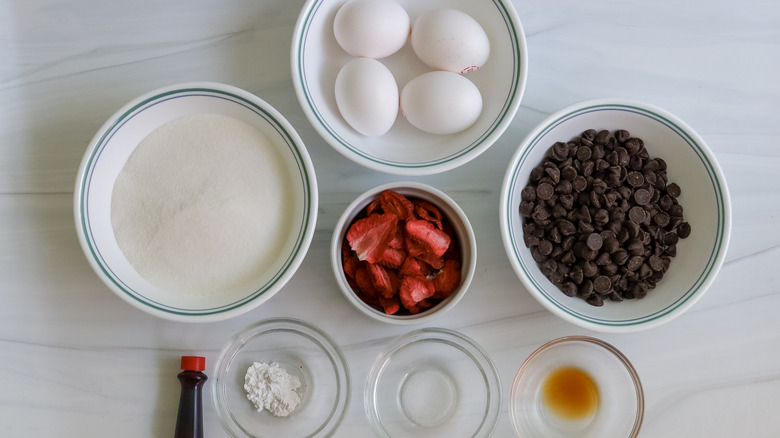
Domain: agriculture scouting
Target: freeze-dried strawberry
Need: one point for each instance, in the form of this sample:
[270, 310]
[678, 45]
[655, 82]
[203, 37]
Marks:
[370, 236]
[351, 265]
[413, 249]
[453, 252]
[413, 266]
[391, 306]
[420, 306]
[373, 207]
[380, 280]
[414, 289]
[393, 257]
[427, 211]
[396, 203]
[447, 280]
[364, 283]
[399, 239]
[428, 236]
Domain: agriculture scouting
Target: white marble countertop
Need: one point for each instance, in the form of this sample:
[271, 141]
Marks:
[76, 361]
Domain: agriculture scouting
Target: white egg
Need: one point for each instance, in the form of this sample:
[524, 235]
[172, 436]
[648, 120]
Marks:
[367, 96]
[441, 102]
[371, 28]
[448, 39]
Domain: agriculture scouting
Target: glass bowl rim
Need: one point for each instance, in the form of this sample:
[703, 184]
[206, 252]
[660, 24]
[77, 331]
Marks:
[639, 391]
[290, 325]
[466, 345]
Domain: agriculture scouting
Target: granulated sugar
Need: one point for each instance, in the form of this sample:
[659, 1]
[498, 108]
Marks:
[202, 205]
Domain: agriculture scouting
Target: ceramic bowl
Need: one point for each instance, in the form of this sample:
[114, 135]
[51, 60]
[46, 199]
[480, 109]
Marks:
[464, 236]
[405, 150]
[603, 395]
[705, 200]
[303, 351]
[433, 382]
[110, 150]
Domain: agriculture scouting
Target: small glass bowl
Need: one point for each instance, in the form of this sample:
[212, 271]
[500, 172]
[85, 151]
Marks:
[304, 351]
[619, 403]
[433, 382]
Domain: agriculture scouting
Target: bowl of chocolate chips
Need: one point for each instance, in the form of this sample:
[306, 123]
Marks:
[615, 215]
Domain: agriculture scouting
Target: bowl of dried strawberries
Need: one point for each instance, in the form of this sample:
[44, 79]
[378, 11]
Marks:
[403, 252]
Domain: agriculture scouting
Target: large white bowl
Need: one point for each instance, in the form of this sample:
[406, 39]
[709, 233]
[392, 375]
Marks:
[405, 150]
[107, 155]
[705, 200]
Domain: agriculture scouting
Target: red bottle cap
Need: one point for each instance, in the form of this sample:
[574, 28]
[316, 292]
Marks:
[193, 363]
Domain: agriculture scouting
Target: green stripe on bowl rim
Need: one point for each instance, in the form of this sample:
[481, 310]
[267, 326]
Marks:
[84, 184]
[716, 255]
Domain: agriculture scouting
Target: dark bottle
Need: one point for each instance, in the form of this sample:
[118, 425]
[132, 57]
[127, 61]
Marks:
[189, 422]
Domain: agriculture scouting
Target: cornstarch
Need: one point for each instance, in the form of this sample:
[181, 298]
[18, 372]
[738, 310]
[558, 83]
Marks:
[203, 205]
[271, 388]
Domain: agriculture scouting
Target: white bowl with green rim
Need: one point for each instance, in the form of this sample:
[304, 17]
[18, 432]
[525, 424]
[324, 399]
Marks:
[106, 157]
[705, 200]
[405, 150]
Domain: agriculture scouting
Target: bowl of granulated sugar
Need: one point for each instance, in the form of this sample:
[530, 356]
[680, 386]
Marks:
[196, 202]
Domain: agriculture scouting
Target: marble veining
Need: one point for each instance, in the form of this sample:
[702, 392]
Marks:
[79, 362]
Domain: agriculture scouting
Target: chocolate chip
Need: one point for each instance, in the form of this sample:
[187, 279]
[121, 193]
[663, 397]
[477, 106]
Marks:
[602, 137]
[584, 153]
[595, 241]
[634, 263]
[611, 245]
[655, 263]
[586, 288]
[661, 219]
[568, 173]
[554, 173]
[636, 215]
[545, 191]
[528, 194]
[588, 134]
[579, 183]
[545, 247]
[673, 190]
[620, 256]
[569, 288]
[595, 300]
[526, 208]
[621, 135]
[683, 230]
[566, 228]
[536, 174]
[559, 151]
[602, 284]
[635, 179]
[641, 196]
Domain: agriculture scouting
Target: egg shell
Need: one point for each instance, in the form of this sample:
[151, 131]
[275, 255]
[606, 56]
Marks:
[451, 40]
[371, 28]
[367, 96]
[441, 102]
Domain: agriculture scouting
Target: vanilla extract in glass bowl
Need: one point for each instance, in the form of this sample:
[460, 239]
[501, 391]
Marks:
[576, 386]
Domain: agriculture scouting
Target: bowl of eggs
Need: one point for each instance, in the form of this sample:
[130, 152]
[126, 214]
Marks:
[409, 88]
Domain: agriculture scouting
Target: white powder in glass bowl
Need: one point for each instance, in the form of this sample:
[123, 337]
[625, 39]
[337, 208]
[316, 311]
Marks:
[271, 388]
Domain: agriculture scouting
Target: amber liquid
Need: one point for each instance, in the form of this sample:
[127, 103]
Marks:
[570, 393]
